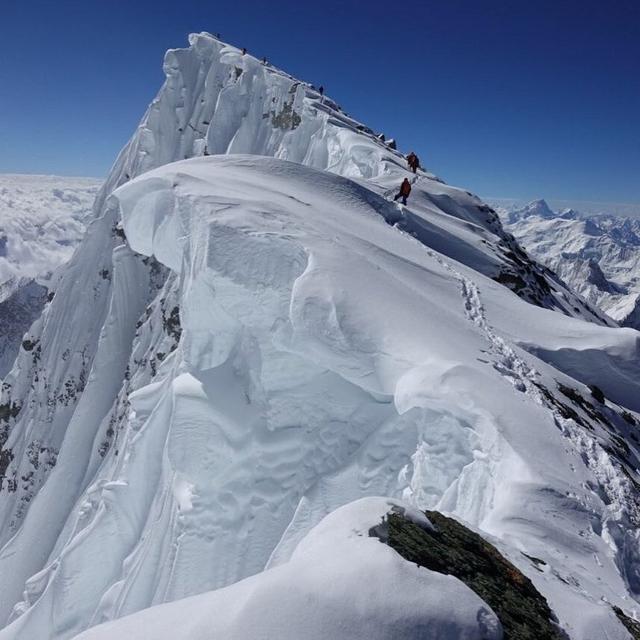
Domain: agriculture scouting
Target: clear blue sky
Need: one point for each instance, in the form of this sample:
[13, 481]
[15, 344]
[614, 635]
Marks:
[507, 98]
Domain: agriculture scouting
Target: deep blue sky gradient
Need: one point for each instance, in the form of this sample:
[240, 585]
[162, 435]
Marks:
[506, 98]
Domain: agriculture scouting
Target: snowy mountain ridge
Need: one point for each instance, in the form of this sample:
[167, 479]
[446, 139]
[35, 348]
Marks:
[596, 255]
[252, 335]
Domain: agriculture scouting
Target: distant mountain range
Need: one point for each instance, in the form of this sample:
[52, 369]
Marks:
[586, 207]
[598, 256]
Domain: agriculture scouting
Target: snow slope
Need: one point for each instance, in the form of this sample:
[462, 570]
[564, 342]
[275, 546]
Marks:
[597, 256]
[246, 341]
[339, 583]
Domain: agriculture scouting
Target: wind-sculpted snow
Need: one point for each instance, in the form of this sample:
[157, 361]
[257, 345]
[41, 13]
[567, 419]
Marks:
[216, 100]
[339, 583]
[242, 344]
[300, 383]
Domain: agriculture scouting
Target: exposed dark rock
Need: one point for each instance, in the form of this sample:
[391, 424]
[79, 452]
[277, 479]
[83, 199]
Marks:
[583, 403]
[118, 232]
[632, 626]
[172, 324]
[455, 550]
[597, 393]
[28, 345]
[9, 410]
[287, 119]
[511, 280]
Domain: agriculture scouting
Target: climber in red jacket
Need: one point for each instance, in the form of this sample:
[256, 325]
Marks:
[405, 190]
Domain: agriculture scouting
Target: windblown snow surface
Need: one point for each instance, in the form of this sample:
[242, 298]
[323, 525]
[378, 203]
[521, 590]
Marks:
[358, 587]
[254, 337]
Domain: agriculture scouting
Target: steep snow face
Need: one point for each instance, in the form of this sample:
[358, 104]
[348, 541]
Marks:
[242, 344]
[598, 256]
[285, 392]
[217, 100]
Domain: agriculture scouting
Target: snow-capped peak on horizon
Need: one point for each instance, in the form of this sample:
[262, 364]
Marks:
[538, 208]
[582, 207]
[256, 356]
[596, 255]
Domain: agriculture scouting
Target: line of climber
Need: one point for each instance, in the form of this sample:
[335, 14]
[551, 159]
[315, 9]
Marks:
[413, 162]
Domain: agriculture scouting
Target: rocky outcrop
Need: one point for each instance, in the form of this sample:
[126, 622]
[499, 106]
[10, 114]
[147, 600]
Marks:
[453, 549]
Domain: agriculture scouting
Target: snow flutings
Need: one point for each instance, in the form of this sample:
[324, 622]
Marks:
[251, 336]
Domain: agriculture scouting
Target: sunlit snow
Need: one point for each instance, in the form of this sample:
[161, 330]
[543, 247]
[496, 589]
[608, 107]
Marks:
[253, 335]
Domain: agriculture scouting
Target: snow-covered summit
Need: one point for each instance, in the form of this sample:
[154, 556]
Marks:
[538, 208]
[218, 100]
[252, 334]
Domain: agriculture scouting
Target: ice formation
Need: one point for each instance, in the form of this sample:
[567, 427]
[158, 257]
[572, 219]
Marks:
[252, 335]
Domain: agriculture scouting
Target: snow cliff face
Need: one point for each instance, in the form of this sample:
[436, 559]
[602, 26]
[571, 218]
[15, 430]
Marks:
[244, 342]
[597, 256]
[216, 100]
